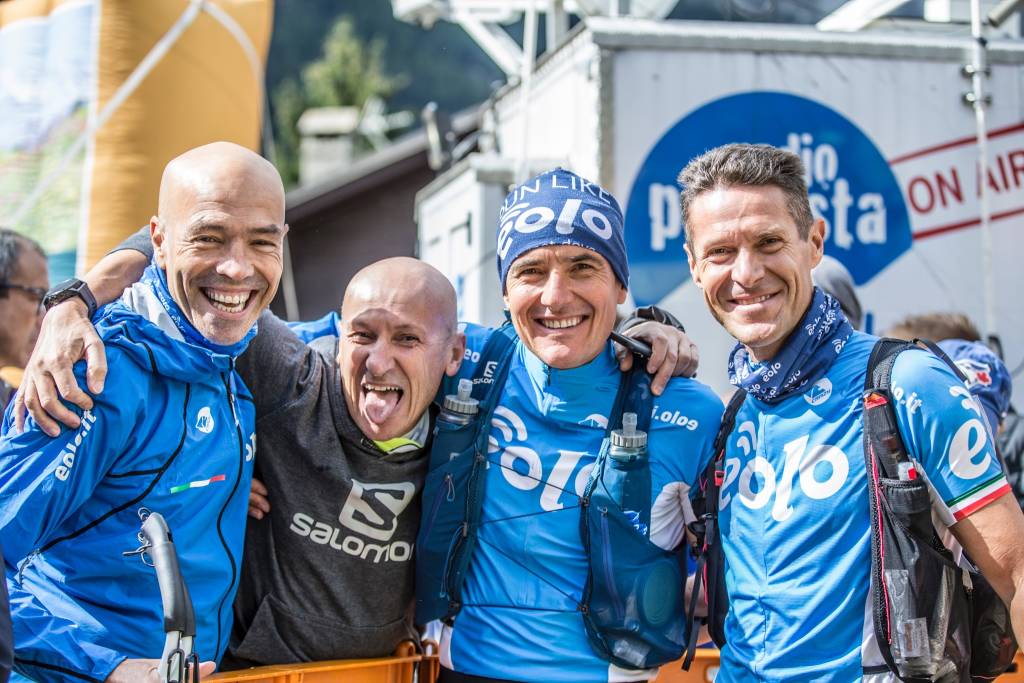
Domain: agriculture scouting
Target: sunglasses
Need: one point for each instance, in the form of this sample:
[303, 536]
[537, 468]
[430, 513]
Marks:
[37, 293]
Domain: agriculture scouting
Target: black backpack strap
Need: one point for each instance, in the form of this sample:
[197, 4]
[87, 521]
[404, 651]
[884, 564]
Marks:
[883, 444]
[934, 348]
[883, 448]
[705, 527]
[883, 357]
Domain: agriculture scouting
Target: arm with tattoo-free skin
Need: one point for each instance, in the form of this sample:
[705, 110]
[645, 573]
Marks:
[991, 536]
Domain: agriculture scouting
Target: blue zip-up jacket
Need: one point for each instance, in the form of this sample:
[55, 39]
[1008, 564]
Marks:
[172, 432]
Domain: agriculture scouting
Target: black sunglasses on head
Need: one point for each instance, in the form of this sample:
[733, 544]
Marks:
[37, 293]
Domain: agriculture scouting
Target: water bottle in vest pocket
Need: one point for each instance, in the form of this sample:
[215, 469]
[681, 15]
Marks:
[634, 597]
[453, 492]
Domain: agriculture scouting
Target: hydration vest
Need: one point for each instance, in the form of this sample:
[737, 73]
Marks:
[632, 602]
[920, 595]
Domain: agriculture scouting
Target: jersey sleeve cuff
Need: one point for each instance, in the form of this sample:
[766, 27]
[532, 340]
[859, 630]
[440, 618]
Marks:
[978, 497]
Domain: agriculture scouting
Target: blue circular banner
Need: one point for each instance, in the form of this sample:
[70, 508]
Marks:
[850, 185]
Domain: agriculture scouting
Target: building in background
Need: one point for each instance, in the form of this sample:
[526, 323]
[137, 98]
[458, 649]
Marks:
[357, 214]
[96, 96]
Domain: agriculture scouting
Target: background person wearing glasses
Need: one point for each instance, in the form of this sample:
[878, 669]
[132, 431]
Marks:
[23, 282]
[24, 279]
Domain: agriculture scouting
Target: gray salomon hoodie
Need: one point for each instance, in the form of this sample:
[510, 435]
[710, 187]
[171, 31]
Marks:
[328, 574]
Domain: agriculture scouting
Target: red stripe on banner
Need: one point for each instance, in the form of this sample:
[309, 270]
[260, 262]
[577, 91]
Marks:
[932, 232]
[969, 140]
[219, 477]
[978, 504]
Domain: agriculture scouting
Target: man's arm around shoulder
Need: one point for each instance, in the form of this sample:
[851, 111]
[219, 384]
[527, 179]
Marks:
[67, 336]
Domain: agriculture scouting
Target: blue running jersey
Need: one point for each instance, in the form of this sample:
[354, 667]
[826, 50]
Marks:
[521, 595]
[794, 512]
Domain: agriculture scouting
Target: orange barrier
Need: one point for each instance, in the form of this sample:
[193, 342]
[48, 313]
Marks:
[1016, 672]
[399, 669]
[431, 667]
[703, 669]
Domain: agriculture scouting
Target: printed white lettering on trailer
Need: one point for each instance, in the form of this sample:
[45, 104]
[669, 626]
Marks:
[821, 172]
[666, 221]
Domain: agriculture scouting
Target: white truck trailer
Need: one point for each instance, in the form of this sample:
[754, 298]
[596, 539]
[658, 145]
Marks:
[879, 119]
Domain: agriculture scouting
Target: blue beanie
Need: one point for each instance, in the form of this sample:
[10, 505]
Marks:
[987, 376]
[559, 207]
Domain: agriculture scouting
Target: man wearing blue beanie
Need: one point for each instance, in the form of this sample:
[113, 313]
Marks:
[587, 216]
[523, 608]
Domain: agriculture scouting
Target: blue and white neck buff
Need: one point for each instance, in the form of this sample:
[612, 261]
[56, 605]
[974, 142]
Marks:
[805, 357]
[156, 278]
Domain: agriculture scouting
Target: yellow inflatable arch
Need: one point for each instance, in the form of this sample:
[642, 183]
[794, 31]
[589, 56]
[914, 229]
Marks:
[97, 95]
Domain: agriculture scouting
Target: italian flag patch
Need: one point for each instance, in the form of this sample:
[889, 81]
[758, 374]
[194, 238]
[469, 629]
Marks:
[978, 497]
[197, 484]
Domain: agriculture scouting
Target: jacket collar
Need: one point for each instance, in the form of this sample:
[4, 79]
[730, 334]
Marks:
[156, 279]
[553, 380]
[152, 331]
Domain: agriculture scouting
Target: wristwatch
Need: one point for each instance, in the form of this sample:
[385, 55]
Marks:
[69, 289]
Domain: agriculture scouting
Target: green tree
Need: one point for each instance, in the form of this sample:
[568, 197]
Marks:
[348, 72]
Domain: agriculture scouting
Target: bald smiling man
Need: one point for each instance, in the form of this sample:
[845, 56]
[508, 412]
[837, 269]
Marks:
[172, 432]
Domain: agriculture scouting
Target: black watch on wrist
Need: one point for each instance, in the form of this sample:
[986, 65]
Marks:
[69, 289]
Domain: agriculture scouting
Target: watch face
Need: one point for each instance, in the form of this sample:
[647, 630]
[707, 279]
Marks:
[61, 286]
[64, 291]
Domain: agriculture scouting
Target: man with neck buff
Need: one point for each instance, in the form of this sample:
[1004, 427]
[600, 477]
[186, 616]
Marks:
[172, 433]
[794, 514]
[341, 426]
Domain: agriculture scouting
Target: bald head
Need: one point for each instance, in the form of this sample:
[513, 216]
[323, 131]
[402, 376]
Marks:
[404, 281]
[219, 170]
[219, 236]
